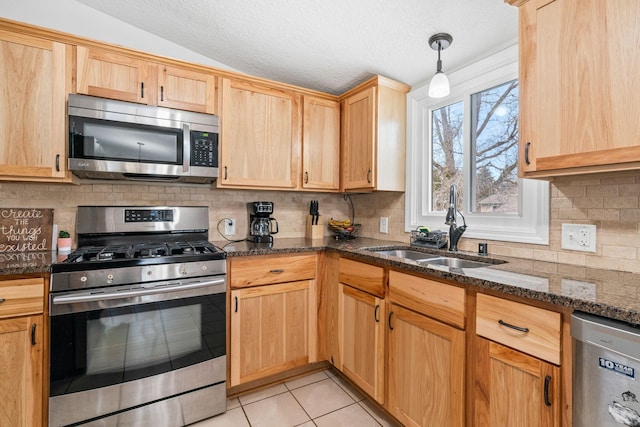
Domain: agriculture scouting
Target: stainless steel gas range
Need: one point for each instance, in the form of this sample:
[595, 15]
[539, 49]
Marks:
[137, 330]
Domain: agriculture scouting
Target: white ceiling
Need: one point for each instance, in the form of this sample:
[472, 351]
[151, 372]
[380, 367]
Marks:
[328, 45]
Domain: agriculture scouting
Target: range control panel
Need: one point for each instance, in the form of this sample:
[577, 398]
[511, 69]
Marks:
[148, 215]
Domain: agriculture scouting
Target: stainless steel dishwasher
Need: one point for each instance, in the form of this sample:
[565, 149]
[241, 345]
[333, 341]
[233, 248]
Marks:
[606, 372]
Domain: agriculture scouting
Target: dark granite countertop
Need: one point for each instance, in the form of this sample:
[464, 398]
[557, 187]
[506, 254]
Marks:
[607, 293]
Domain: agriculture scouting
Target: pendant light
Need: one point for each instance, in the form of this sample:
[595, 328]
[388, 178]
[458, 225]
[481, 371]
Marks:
[439, 85]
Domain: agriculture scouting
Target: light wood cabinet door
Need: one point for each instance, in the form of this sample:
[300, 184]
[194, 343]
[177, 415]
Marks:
[21, 364]
[185, 89]
[126, 78]
[578, 96]
[361, 326]
[426, 370]
[273, 329]
[111, 75]
[35, 79]
[260, 136]
[514, 389]
[320, 144]
[358, 141]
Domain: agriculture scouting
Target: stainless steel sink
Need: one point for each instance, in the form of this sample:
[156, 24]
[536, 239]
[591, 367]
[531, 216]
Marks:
[405, 253]
[454, 263]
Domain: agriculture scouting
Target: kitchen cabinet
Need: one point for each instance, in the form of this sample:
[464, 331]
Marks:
[426, 354]
[260, 129]
[361, 326]
[514, 389]
[373, 136]
[273, 315]
[35, 78]
[517, 357]
[110, 74]
[320, 144]
[578, 96]
[21, 352]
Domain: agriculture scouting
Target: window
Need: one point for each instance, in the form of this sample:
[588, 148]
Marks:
[470, 139]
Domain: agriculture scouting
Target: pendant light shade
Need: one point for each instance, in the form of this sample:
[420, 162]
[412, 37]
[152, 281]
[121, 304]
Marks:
[439, 85]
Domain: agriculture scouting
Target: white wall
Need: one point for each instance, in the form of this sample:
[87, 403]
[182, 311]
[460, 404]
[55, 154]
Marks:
[72, 17]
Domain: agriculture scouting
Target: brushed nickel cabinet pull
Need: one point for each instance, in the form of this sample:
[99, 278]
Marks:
[517, 328]
[390, 325]
[526, 153]
[277, 270]
[57, 162]
[369, 176]
[375, 313]
[225, 172]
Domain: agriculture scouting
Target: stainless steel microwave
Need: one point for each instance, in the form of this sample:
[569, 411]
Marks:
[122, 140]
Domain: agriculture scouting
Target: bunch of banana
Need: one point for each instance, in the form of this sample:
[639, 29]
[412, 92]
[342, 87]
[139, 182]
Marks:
[340, 224]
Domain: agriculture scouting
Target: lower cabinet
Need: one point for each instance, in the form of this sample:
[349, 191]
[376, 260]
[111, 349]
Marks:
[21, 352]
[426, 351]
[514, 389]
[517, 357]
[272, 329]
[426, 370]
[361, 326]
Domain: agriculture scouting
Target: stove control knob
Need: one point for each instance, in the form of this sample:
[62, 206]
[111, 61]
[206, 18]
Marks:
[83, 279]
[204, 268]
[183, 270]
[109, 278]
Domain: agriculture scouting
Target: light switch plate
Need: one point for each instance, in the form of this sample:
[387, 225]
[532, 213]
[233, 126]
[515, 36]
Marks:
[579, 237]
[384, 224]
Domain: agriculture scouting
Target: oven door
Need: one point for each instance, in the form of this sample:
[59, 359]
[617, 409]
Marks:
[121, 347]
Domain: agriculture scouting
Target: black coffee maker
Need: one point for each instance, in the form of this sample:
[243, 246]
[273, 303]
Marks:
[261, 224]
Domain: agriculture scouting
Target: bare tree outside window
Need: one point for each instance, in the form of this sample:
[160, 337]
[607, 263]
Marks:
[447, 151]
[494, 151]
[494, 142]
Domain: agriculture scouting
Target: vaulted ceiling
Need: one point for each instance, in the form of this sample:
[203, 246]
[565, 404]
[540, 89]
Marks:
[328, 45]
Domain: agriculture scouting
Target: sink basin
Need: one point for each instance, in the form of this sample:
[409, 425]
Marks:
[406, 254]
[454, 263]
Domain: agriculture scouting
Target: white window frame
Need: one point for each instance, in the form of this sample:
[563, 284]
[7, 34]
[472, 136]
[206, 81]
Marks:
[531, 225]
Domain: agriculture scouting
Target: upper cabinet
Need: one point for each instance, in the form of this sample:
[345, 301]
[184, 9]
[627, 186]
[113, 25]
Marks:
[114, 75]
[320, 144]
[35, 78]
[373, 136]
[260, 136]
[579, 69]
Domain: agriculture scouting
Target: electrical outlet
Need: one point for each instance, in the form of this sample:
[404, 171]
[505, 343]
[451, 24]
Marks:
[579, 237]
[229, 226]
[384, 224]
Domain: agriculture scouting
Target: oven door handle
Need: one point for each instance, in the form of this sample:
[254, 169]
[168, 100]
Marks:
[74, 299]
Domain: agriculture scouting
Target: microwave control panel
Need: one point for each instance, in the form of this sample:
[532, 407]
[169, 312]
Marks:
[204, 149]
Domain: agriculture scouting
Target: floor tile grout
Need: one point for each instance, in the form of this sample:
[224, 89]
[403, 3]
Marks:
[353, 394]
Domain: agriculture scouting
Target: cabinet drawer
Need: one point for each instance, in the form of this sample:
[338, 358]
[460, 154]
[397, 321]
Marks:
[367, 278]
[21, 297]
[532, 330]
[435, 299]
[270, 269]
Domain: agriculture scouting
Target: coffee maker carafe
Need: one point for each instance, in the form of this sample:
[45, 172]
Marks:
[261, 225]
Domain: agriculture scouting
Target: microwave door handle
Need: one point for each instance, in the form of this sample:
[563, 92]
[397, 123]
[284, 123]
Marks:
[186, 159]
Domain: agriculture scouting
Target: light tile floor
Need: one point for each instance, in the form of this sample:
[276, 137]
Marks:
[320, 399]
